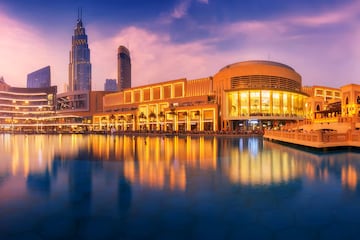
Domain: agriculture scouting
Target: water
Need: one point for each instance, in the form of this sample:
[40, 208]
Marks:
[114, 187]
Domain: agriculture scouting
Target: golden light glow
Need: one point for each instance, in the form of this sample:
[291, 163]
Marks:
[166, 163]
[349, 177]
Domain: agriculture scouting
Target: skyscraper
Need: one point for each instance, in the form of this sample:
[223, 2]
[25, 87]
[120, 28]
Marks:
[124, 68]
[79, 66]
[110, 85]
[39, 79]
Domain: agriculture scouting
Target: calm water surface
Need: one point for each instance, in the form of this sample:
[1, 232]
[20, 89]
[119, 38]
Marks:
[115, 187]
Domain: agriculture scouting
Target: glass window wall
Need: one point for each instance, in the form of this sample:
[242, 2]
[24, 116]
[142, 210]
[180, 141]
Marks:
[264, 103]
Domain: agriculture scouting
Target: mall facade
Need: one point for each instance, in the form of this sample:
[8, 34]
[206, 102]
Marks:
[244, 96]
[241, 97]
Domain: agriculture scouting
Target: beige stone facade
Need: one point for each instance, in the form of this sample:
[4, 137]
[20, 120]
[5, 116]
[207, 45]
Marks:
[178, 105]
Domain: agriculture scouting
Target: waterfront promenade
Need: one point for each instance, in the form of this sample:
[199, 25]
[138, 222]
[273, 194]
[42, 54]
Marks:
[319, 135]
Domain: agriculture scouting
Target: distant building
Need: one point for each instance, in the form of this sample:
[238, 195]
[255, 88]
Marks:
[327, 93]
[3, 85]
[124, 68]
[110, 85]
[40, 78]
[25, 109]
[79, 66]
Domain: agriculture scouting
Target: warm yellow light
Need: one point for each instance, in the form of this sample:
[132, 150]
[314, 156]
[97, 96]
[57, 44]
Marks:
[266, 93]
[244, 95]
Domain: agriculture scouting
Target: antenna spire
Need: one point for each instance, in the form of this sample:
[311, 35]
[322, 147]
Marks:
[79, 14]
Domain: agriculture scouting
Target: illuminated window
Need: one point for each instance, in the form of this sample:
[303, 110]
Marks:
[244, 103]
[285, 103]
[276, 103]
[255, 102]
[233, 104]
[265, 102]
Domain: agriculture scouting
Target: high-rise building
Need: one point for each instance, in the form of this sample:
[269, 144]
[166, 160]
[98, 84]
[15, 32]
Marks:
[79, 66]
[124, 68]
[110, 85]
[40, 78]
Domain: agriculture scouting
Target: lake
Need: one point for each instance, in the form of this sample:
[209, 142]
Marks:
[124, 187]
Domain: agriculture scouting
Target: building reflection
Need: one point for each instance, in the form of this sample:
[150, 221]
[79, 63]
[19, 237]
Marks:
[256, 163]
[80, 187]
[349, 177]
[124, 195]
[166, 163]
[39, 183]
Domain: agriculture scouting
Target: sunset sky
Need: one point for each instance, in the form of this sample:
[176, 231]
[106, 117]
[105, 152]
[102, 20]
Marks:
[182, 38]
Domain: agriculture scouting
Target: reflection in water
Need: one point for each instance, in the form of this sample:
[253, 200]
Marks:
[124, 196]
[349, 177]
[99, 187]
[39, 182]
[163, 162]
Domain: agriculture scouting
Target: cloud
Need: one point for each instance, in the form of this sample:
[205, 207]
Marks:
[341, 15]
[204, 1]
[23, 50]
[154, 57]
[315, 45]
[300, 41]
[181, 9]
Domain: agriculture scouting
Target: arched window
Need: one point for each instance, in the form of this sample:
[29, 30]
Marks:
[318, 107]
[347, 100]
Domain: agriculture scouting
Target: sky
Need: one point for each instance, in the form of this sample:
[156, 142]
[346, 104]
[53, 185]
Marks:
[175, 39]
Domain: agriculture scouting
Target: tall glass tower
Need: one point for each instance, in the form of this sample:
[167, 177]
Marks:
[79, 66]
[124, 68]
[40, 78]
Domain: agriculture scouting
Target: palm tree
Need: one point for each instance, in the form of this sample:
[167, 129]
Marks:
[152, 115]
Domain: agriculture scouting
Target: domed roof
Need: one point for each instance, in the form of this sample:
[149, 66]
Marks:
[257, 62]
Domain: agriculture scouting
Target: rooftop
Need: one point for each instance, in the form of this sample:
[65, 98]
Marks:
[260, 62]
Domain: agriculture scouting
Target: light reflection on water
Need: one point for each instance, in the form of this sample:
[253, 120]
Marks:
[166, 187]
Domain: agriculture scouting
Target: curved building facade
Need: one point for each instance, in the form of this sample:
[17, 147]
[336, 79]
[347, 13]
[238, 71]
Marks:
[257, 94]
[24, 109]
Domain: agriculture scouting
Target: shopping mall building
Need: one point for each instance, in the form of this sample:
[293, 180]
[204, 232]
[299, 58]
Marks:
[244, 96]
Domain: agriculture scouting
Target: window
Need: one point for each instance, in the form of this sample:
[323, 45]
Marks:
[146, 93]
[167, 92]
[255, 102]
[179, 90]
[137, 96]
[244, 103]
[127, 97]
[156, 93]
